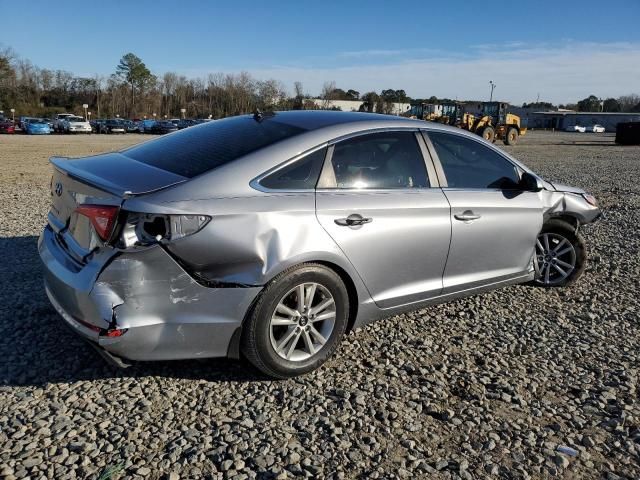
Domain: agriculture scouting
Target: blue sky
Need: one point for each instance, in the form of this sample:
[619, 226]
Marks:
[561, 50]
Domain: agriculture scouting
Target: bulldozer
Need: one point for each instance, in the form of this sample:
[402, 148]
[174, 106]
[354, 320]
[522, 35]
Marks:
[494, 123]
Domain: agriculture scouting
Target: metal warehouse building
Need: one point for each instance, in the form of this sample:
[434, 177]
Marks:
[562, 120]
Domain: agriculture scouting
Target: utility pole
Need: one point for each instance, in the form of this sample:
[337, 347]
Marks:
[493, 85]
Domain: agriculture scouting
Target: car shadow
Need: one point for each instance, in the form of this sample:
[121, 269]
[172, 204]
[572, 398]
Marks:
[37, 348]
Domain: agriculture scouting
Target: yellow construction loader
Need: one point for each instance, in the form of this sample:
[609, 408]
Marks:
[449, 113]
[494, 123]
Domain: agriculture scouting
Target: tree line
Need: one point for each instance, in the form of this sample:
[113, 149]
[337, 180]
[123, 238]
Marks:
[134, 91]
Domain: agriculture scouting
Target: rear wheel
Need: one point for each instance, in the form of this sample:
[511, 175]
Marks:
[560, 255]
[512, 136]
[488, 133]
[297, 322]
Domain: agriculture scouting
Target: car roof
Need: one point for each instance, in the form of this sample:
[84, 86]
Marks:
[336, 121]
[320, 127]
[315, 119]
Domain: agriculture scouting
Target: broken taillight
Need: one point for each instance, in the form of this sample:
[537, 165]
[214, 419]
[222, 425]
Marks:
[113, 333]
[102, 217]
[142, 229]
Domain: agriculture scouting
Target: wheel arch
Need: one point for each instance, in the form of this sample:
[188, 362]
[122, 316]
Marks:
[351, 290]
[567, 217]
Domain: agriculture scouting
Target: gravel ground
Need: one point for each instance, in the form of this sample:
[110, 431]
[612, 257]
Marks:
[519, 383]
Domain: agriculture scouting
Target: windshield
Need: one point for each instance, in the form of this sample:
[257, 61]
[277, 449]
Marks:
[491, 110]
[196, 150]
[76, 119]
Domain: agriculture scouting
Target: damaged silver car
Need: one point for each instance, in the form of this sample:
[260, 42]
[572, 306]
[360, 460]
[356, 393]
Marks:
[271, 235]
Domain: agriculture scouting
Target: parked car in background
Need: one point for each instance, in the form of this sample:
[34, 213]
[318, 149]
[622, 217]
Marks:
[58, 121]
[163, 126]
[186, 123]
[22, 122]
[577, 128]
[145, 126]
[94, 125]
[37, 126]
[130, 126]
[113, 125]
[75, 125]
[597, 128]
[273, 235]
[7, 126]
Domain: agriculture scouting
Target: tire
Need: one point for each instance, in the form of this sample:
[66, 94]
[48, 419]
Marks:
[260, 338]
[512, 136]
[488, 133]
[549, 263]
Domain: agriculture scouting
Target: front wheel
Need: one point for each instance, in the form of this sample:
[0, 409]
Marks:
[488, 133]
[560, 255]
[512, 136]
[297, 322]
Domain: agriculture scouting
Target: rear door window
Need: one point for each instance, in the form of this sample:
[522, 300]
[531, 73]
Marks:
[386, 160]
[196, 150]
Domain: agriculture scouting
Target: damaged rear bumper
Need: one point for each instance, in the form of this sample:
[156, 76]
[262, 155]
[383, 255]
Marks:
[160, 310]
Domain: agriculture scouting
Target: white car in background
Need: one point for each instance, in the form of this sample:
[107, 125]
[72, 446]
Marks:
[76, 125]
[58, 121]
[579, 128]
[597, 129]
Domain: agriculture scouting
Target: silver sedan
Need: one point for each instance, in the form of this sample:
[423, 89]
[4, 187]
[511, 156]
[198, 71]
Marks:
[271, 235]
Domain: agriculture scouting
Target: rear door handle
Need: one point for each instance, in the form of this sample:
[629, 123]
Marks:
[352, 220]
[466, 216]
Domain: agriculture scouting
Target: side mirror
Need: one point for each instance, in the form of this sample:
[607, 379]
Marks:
[530, 182]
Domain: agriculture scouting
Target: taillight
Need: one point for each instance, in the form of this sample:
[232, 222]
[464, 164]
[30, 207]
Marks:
[142, 229]
[102, 217]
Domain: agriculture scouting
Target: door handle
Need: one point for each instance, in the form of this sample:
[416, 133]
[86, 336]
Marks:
[352, 220]
[466, 216]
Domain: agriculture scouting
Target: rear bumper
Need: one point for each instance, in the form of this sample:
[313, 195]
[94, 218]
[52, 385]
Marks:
[163, 312]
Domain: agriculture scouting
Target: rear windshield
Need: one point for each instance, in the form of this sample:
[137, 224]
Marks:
[197, 150]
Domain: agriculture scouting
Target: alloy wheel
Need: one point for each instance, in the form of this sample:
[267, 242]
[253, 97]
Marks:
[554, 259]
[302, 322]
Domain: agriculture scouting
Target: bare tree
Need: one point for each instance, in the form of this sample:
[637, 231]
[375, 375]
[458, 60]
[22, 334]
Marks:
[629, 103]
[271, 93]
[328, 94]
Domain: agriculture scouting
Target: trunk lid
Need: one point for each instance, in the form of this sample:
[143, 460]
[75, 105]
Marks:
[100, 180]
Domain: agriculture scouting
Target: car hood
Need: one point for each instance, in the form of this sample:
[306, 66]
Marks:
[566, 188]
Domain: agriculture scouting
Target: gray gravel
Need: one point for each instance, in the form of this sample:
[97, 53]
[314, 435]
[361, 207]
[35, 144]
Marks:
[519, 383]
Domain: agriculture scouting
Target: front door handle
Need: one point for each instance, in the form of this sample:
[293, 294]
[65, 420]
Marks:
[466, 216]
[352, 220]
